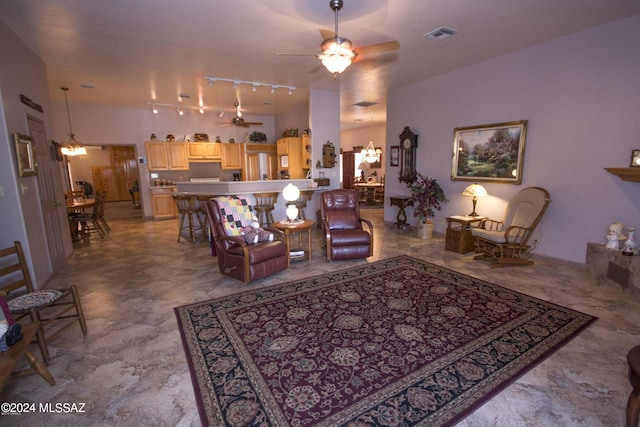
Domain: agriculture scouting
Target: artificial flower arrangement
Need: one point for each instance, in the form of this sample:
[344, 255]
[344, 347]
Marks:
[426, 195]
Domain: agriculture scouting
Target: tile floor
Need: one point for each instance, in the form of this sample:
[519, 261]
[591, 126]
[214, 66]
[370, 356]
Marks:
[131, 370]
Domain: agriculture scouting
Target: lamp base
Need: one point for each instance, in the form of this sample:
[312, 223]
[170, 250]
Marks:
[292, 221]
[474, 213]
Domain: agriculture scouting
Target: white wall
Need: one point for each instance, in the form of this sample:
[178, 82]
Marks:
[581, 96]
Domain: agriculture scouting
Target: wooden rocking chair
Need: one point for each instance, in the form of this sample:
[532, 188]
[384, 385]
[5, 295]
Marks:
[505, 242]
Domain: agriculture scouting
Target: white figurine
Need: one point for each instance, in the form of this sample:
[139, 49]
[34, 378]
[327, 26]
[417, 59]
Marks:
[630, 245]
[615, 236]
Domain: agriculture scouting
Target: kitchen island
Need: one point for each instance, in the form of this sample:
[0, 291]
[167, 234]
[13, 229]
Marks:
[248, 188]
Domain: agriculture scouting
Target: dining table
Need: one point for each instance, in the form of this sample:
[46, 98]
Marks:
[75, 207]
[370, 188]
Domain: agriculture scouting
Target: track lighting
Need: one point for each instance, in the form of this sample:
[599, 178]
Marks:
[154, 109]
[221, 115]
[202, 111]
[180, 112]
[255, 85]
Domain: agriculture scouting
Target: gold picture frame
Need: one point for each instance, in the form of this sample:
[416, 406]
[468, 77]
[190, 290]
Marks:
[635, 159]
[25, 155]
[490, 153]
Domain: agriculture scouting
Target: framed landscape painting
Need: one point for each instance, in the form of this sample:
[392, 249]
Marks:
[492, 153]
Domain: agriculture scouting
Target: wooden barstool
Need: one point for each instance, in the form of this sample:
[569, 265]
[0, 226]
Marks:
[301, 203]
[189, 208]
[265, 203]
[633, 404]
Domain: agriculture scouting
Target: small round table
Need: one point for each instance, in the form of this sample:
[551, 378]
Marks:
[299, 227]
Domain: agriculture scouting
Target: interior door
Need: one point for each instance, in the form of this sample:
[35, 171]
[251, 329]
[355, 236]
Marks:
[104, 179]
[52, 207]
[348, 169]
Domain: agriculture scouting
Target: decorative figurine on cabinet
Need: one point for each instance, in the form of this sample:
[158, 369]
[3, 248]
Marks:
[615, 236]
[630, 246]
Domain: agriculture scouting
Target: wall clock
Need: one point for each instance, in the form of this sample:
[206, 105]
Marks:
[408, 145]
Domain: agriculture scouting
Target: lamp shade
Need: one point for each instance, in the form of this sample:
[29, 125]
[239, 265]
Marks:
[291, 193]
[475, 190]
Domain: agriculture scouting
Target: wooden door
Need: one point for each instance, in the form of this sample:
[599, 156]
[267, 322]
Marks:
[104, 179]
[272, 166]
[348, 169]
[51, 198]
[125, 167]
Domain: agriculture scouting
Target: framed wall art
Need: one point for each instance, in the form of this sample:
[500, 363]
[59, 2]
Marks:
[635, 159]
[25, 155]
[492, 153]
[394, 155]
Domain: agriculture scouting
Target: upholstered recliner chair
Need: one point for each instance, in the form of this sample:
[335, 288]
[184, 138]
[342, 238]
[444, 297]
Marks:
[246, 262]
[344, 235]
[506, 242]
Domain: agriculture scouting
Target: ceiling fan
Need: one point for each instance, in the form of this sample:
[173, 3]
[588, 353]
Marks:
[337, 53]
[238, 120]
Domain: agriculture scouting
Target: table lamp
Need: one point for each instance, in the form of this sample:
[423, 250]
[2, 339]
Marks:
[291, 193]
[475, 190]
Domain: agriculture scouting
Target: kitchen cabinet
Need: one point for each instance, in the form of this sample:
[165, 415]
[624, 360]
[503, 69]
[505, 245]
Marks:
[204, 152]
[162, 203]
[162, 156]
[289, 152]
[232, 156]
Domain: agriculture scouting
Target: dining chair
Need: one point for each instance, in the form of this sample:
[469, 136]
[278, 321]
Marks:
[54, 309]
[91, 222]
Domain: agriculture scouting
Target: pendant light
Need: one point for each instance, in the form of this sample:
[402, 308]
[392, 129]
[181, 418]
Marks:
[371, 154]
[71, 147]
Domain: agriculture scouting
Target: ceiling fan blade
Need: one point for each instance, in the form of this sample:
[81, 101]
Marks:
[246, 124]
[327, 34]
[378, 48]
[224, 125]
[295, 54]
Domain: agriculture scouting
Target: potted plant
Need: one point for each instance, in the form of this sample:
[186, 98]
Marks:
[427, 195]
[257, 137]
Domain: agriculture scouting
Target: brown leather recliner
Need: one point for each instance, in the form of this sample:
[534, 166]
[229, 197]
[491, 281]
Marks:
[344, 235]
[240, 260]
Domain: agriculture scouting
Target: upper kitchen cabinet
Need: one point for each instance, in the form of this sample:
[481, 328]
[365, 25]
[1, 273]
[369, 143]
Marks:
[232, 156]
[291, 158]
[204, 152]
[162, 156]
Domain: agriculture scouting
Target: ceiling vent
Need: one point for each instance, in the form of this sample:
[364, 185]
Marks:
[365, 104]
[440, 33]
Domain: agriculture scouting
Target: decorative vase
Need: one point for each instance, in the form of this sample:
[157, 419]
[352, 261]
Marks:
[424, 230]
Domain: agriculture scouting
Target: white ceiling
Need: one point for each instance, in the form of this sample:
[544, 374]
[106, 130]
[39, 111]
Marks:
[139, 51]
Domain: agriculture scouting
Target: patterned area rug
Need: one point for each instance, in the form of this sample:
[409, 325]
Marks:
[399, 342]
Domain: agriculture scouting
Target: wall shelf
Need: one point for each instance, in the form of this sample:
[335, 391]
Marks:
[625, 174]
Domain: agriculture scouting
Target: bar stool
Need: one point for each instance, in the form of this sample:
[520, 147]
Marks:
[265, 203]
[190, 209]
[301, 203]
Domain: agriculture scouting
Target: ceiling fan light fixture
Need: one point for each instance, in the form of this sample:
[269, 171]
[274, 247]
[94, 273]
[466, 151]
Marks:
[336, 54]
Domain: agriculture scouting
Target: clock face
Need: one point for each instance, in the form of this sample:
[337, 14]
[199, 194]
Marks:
[407, 143]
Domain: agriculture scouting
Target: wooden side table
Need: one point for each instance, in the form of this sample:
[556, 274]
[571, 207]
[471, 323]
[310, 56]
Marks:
[401, 202]
[459, 238]
[10, 358]
[305, 225]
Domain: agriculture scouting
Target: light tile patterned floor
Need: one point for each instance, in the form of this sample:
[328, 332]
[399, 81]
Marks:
[131, 370]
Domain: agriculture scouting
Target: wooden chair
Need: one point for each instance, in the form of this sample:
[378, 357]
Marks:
[378, 194]
[264, 206]
[11, 357]
[54, 309]
[301, 203]
[344, 234]
[101, 218]
[189, 209]
[90, 222]
[505, 242]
